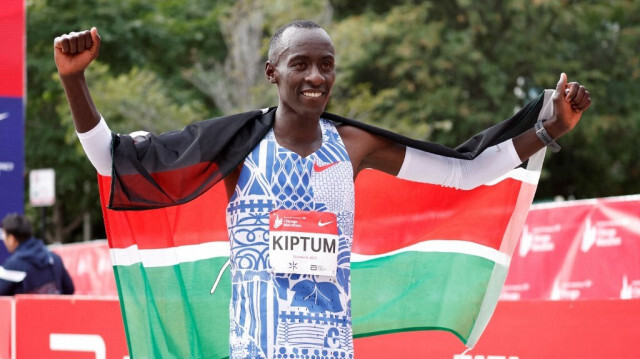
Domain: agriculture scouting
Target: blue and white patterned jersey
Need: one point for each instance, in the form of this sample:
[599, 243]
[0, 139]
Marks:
[277, 315]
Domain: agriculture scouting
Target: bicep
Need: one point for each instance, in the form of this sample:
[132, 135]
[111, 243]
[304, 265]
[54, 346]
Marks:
[97, 145]
[385, 156]
[367, 150]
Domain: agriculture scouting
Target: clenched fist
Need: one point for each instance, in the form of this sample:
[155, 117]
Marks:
[73, 52]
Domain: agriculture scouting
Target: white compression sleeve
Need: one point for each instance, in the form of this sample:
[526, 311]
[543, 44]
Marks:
[495, 161]
[97, 145]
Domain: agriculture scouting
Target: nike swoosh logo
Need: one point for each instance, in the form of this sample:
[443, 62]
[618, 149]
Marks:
[322, 224]
[318, 168]
[4, 116]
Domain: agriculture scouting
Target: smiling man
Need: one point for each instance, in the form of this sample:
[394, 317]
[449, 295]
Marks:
[289, 173]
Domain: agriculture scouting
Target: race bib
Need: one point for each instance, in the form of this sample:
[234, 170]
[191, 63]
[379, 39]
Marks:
[303, 242]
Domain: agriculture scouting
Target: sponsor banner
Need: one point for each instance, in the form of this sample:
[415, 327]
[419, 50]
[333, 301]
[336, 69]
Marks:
[68, 327]
[12, 43]
[586, 249]
[82, 327]
[6, 321]
[591, 329]
[11, 155]
[89, 265]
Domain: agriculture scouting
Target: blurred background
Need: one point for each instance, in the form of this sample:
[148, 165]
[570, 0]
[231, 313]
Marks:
[432, 70]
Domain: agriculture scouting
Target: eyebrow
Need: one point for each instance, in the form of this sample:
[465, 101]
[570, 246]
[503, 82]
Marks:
[306, 57]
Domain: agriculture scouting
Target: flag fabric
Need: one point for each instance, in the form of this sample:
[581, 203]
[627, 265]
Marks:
[424, 256]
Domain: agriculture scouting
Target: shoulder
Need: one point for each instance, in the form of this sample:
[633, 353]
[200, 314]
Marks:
[358, 136]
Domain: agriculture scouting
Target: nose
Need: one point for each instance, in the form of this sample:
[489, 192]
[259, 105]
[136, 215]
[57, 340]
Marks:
[314, 76]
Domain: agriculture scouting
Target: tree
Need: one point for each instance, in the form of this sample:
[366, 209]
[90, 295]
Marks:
[146, 46]
[238, 83]
[442, 72]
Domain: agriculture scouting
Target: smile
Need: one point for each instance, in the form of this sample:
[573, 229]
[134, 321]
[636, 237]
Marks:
[312, 93]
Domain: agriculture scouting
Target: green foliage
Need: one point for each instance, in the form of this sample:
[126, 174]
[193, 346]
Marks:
[442, 72]
[137, 100]
[147, 46]
[434, 70]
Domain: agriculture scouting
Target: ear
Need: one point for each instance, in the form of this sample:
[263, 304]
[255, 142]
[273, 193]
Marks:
[270, 71]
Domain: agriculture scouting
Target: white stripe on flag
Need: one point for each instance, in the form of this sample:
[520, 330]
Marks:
[520, 174]
[445, 246]
[163, 257]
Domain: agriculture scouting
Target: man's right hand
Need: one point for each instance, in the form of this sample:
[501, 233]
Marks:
[73, 52]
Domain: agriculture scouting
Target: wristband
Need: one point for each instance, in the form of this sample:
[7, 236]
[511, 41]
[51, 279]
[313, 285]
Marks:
[547, 140]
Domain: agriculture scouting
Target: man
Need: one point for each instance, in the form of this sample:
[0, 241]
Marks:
[31, 268]
[301, 167]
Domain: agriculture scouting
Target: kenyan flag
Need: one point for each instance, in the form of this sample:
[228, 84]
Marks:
[424, 257]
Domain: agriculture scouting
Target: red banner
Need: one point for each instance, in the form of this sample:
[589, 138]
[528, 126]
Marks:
[63, 327]
[89, 266]
[12, 93]
[586, 249]
[528, 329]
[12, 38]
[6, 321]
[81, 327]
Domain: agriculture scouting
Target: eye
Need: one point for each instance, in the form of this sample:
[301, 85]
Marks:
[327, 65]
[299, 65]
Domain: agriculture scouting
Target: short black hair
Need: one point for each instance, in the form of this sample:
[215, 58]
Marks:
[17, 225]
[277, 36]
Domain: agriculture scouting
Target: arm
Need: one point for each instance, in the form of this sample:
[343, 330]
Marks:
[73, 53]
[369, 151]
[10, 278]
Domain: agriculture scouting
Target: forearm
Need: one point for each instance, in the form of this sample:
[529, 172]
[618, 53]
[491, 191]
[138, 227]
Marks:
[528, 143]
[84, 111]
[495, 161]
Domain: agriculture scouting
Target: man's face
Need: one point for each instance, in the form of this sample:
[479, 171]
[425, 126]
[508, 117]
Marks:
[304, 71]
[9, 240]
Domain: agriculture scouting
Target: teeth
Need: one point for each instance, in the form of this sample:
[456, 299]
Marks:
[312, 94]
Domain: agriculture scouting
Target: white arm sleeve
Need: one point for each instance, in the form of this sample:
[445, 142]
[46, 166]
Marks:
[493, 162]
[97, 145]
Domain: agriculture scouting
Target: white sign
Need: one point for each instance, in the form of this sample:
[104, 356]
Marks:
[42, 187]
[303, 242]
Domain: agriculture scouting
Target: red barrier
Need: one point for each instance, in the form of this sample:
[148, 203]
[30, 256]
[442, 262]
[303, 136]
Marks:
[76, 327]
[6, 321]
[586, 249]
[528, 329]
[89, 265]
[68, 327]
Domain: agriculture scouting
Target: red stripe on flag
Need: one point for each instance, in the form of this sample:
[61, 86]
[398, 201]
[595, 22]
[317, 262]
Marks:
[406, 213]
[174, 184]
[385, 220]
[199, 221]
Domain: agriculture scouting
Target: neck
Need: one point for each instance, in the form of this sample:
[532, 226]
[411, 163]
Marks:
[300, 134]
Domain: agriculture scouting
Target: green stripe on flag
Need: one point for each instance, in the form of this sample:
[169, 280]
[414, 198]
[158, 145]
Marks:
[419, 291]
[169, 312]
